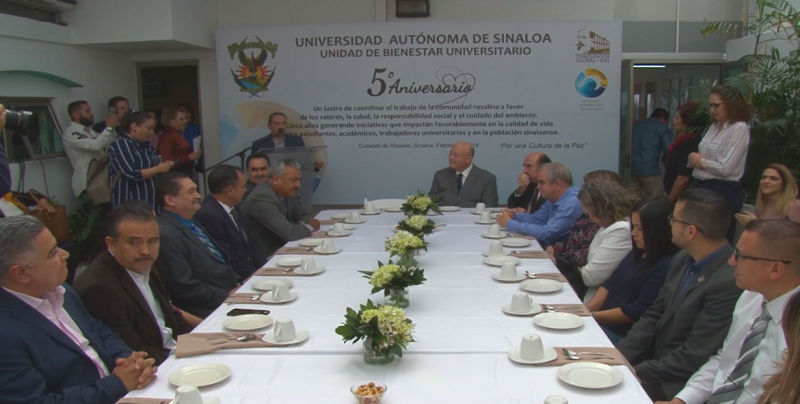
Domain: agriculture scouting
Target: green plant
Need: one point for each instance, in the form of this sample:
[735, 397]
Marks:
[421, 204]
[771, 82]
[85, 224]
[398, 275]
[385, 327]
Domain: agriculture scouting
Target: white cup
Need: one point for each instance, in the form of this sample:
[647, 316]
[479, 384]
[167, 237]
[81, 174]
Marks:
[485, 217]
[495, 248]
[369, 208]
[355, 217]
[480, 207]
[555, 400]
[521, 302]
[308, 265]
[338, 229]
[187, 395]
[280, 292]
[531, 348]
[284, 330]
[328, 246]
[508, 271]
[494, 230]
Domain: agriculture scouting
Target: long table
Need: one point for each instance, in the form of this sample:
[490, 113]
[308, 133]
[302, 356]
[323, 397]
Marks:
[464, 337]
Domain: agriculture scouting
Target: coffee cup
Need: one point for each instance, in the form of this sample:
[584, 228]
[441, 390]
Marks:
[284, 330]
[485, 217]
[280, 292]
[555, 400]
[521, 302]
[355, 217]
[328, 246]
[187, 395]
[494, 230]
[480, 207]
[495, 248]
[337, 230]
[308, 265]
[531, 348]
[369, 207]
[508, 271]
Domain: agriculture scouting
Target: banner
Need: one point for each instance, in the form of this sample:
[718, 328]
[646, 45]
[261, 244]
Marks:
[388, 100]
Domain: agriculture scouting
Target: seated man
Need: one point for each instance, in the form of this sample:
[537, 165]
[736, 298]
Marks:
[273, 211]
[527, 198]
[120, 288]
[257, 164]
[195, 270]
[691, 315]
[551, 223]
[52, 349]
[463, 183]
[224, 221]
[767, 262]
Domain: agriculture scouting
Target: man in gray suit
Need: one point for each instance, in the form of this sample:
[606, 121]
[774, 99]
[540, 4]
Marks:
[196, 271]
[463, 183]
[689, 320]
[273, 211]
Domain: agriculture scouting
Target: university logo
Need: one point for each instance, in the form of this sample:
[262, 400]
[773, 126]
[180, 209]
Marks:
[253, 75]
[592, 48]
[591, 83]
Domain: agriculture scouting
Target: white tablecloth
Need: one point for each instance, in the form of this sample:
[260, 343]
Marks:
[463, 334]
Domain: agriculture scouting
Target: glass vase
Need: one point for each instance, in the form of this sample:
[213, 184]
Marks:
[373, 357]
[397, 298]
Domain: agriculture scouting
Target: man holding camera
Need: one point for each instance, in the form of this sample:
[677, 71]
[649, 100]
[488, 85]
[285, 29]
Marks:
[83, 144]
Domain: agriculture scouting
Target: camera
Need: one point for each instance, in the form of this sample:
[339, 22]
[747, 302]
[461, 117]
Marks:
[17, 119]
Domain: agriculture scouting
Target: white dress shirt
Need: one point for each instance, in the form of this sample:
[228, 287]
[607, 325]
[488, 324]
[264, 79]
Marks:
[609, 246]
[228, 209]
[143, 283]
[82, 145]
[724, 151]
[770, 351]
[465, 173]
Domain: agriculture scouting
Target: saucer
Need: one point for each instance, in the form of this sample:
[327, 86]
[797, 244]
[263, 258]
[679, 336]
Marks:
[499, 260]
[535, 308]
[247, 322]
[340, 216]
[267, 298]
[486, 254]
[541, 286]
[517, 279]
[300, 336]
[289, 262]
[515, 242]
[393, 209]
[590, 375]
[558, 321]
[475, 212]
[491, 221]
[346, 233]
[549, 355]
[200, 375]
[500, 236]
[300, 271]
[376, 212]
[352, 222]
[449, 208]
[309, 242]
[266, 285]
[319, 250]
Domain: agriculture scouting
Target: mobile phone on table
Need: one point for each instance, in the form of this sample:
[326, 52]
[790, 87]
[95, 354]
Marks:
[239, 312]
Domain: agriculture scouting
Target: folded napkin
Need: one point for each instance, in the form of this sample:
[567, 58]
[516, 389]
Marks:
[139, 400]
[531, 254]
[297, 251]
[556, 276]
[201, 343]
[277, 271]
[616, 358]
[576, 309]
[324, 234]
[329, 222]
[522, 236]
[244, 298]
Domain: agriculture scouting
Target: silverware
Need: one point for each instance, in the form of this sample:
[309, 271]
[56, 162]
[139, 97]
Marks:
[553, 309]
[255, 297]
[541, 276]
[570, 352]
[243, 338]
[577, 358]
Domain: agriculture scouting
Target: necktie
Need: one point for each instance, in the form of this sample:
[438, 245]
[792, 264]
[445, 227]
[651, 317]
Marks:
[729, 392]
[286, 209]
[460, 183]
[207, 241]
[235, 217]
[534, 200]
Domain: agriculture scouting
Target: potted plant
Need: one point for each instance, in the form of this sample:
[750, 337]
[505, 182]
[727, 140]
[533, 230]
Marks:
[394, 280]
[417, 225]
[421, 204]
[385, 330]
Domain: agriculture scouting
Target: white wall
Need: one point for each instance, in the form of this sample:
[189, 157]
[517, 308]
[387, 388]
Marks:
[110, 21]
[194, 22]
[500, 10]
[237, 13]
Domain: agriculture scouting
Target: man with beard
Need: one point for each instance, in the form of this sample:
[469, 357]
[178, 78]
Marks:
[82, 144]
[122, 290]
[257, 164]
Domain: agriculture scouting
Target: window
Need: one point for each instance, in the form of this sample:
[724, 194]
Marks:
[41, 139]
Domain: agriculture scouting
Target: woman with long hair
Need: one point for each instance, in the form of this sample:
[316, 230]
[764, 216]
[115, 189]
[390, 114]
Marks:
[777, 196]
[634, 285]
[720, 160]
[783, 387]
[172, 146]
[688, 123]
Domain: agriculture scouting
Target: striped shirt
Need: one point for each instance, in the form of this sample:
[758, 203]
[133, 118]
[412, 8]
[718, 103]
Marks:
[724, 151]
[126, 160]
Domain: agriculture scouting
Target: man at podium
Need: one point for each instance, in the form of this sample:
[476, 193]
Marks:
[278, 138]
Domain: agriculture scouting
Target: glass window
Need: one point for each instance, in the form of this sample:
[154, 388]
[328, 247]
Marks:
[40, 138]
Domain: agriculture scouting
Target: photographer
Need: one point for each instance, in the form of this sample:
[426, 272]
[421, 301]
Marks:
[5, 171]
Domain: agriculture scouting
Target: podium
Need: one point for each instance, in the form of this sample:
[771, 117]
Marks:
[306, 156]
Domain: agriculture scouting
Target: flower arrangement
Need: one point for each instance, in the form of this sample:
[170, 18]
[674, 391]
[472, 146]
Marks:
[421, 204]
[385, 329]
[417, 225]
[404, 244]
[393, 279]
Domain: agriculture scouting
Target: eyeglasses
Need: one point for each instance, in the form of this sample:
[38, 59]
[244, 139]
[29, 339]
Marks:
[737, 256]
[715, 104]
[672, 219]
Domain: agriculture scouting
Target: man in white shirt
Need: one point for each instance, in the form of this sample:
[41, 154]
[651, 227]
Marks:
[120, 288]
[82, 144]
[767, 261]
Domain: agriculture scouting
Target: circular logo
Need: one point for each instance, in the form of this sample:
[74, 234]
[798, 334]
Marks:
[591, 83]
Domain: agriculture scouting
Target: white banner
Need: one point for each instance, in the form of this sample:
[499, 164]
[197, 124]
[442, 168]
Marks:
[389, 99]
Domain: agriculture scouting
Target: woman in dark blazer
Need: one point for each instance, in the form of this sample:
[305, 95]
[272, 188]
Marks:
[689, 122]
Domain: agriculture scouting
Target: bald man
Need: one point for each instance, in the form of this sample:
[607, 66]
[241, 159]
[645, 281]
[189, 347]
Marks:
[526, 198]
[463, 183]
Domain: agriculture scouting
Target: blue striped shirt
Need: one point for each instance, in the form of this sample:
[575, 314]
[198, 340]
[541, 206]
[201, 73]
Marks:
[127, 158]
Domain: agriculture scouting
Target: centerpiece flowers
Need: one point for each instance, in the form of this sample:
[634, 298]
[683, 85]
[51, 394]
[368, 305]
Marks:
[417, 225]
[385, 330]
[421, 204]
[404, 244]
[394, 279]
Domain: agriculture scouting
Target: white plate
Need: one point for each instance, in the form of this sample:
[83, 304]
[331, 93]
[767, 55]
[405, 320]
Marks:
[376, 212]
[558, 321]
[501, 236]
[340, 216]
[590, 375]
[517, 279]
[289, 262]
[498, 261]
[541, 286]
[491, 221]
[535, 308]
[549, 355]
[267, 298]
[352, 222]
[393, 209]
[316, 271]
[347, 226]
[310, 242]
[267, 284]
[319, 250]
[200, 375]
[346, 233]
[301, 335]
[515, 242]
[475, 212]
[247, 322]
[486, 253]
[449, 208]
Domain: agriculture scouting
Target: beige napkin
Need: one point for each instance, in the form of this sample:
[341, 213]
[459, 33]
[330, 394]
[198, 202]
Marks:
[245, 298]
[297, 251]
[531, 254]
[139, 400]
[616, 358]
[277, 271]
[201, 343]
[329, 222]
[522, 236]
[324, 234]
[576, 309]
[556, 276]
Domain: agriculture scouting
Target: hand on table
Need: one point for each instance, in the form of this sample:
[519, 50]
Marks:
[502, 219]
[550, 251]
[314, 223]
[136, 371]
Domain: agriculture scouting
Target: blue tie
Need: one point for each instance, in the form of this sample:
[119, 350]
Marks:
[460, 183]
[207, 241]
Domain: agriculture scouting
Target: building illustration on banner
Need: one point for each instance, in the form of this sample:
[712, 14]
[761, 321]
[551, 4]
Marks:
[592, 47]
[253, 75]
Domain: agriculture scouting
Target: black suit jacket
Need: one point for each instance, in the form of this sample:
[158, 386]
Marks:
[241, 247]
[195, 278]
[523, 200]
[266, 142]
[111, 296]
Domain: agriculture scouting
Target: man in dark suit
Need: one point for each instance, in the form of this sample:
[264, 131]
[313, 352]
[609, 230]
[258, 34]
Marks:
[526, 198]
[196, 271]
[273, 211]
[278, 137]
[463, 183]
[52, 349]
[257, 165]
[690, 318]
[120, 288]
[224, 220]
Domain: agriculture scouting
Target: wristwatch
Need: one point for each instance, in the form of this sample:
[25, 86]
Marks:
[108, 128]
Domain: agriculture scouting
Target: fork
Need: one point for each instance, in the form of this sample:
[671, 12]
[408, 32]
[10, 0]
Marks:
[244, 338]
[253, 298]
[571, 352]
